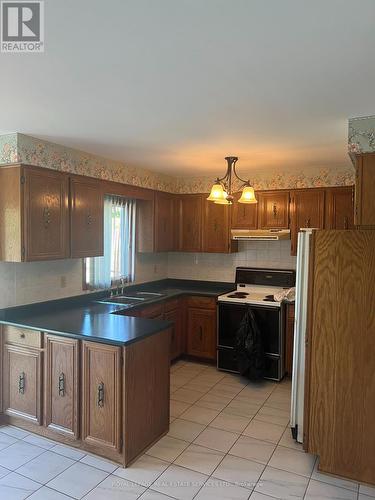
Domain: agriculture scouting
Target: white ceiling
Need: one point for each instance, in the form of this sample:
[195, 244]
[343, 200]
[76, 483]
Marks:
[176, 85]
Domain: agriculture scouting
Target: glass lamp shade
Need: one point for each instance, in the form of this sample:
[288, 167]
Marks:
[248, 195]
[224, 201]
[217, 193]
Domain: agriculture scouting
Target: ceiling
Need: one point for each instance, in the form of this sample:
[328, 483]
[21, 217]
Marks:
[176, 85]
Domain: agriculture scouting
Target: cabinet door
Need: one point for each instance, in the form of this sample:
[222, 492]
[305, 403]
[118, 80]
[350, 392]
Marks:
[155, 311]
[101, 385]
[61, 385]
[190, 223]
[175, 317]
[46, 215]
[164, 222]
[201, 337]
[245, 215]
[86, 217]
[273, 210]
[215, 228]
[307, 211]
[340, 208]
[22, 382]
[364, 191]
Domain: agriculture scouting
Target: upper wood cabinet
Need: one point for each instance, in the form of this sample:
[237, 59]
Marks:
[216, 228]
[364, 214]
[273, 210]
[244, 215]
[86, 217]
[190, 223]
[164, 222]
[307, 210]
[340, 208]
[34, 220]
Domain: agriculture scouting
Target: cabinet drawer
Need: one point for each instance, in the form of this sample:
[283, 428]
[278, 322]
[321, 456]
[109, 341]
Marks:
[153, 312]
[21, 336]
[171, 305]
[202, 302]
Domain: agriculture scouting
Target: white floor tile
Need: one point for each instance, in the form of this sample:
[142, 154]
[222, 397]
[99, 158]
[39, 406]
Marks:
[45, 467]
[252, 449]
[231, 423]
[323, 491]
[168, 448]
[264, 431]
[178, 407]
[115, 488]
[294, 461]
[213, 401]
[6, 440]
[14, 431]
[368, 490]
[144, 471]
[99, 463]
[45, 493]
[259, 496]
[216, 489]
[200, 415]
[78, 480]
[200, 459]
[281, 484]
[216, 439]
[273, 416]
[361, 496]
[242, 408]
[16, 487]
[68, 452]
[153, 495]
[18, 454]
[239, 471]
[179, 483]
[3, 472]
[334, 480]
[288, 441]
[186, 430]
[39, 441]
[186, 395]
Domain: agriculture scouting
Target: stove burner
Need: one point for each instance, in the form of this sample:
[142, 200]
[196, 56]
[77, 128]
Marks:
[238, 295]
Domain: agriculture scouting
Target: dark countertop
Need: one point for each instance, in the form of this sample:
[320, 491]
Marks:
[84, 318]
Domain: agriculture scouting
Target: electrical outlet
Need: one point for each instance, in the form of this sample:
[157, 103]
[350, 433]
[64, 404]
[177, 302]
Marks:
[62, 281]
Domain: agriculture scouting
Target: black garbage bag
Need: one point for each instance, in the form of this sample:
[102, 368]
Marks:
[249, 348]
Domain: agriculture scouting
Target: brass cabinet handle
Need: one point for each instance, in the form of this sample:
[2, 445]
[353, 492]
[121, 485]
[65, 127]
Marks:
[346, 223]
[308, 222]
[46, 217]
[274, 210]
[89, 219]
[100, 401]
[200, 333]
[62, 384]
[21, 383]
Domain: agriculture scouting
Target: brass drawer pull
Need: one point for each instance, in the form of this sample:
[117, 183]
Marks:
[62, 384]
[101, 395]
[21, 383]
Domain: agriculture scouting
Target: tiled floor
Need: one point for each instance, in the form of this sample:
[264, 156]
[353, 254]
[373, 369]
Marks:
[228, 440]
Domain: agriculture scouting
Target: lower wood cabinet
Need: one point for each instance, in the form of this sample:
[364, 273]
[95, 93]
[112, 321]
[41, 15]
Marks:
[61, 376]
[101, 395]
[177, 341]
[22, 388]
[201, 327]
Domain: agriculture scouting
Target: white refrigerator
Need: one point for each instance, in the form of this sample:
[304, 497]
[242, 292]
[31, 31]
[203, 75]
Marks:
[300, 324]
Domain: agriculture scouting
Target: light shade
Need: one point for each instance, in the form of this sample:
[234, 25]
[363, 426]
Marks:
[217, 193]
[223, 201]
[248, 195]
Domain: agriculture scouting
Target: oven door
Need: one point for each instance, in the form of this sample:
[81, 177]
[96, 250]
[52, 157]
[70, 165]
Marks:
[229, 320]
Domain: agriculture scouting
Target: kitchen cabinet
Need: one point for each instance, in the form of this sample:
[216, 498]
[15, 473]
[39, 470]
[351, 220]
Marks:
[245, 215]
[174, 313]
[61, 381]
[289, 339]
[273, 209]
[340, 208]
[34, 214]
[154, 311]
[364, 214]
[86, 217]
[216, 228]
[201, 327]
[101, 398]
[22, 386]
[164, 222]
[190, 223]
[307, 210]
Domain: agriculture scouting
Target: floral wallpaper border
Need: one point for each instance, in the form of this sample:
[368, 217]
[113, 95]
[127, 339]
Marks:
[17, 147]
[361, 135]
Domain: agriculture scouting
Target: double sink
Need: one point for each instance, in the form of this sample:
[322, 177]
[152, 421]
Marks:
[131, 298]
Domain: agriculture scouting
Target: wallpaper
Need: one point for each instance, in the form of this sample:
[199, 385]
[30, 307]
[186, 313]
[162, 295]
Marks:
[24, 148]
[361, 135]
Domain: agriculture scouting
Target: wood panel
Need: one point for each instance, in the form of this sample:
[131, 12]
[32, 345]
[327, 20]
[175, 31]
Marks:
[46, 214]
[164, 222]
[22, 382]
[86, 217]
[216, 228]
[11, 203]
[175, 316]
[245, 215]
[101, 396]
[61, 385]
[340, 208]
[190, 223]
[364, 191]
[273, 210]
[154, 311]
[146, 403]
[22, 336]
[201, 333]
[145, 226]
[289, 339]
[342, 353]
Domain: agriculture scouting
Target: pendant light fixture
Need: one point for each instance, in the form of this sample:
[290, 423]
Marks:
[222, 191]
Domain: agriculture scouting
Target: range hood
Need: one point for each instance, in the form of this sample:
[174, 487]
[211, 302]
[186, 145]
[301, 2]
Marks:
[260, 234]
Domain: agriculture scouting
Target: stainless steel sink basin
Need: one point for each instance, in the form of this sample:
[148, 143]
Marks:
[132, 298]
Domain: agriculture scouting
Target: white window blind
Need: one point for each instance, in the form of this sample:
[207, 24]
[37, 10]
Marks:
[118, 260]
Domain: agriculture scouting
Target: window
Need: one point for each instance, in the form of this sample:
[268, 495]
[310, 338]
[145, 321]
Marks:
[118, 260]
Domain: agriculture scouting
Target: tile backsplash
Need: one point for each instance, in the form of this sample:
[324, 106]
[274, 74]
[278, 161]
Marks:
[221, 267]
